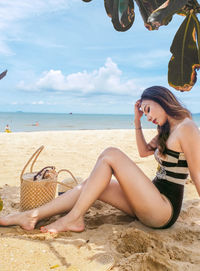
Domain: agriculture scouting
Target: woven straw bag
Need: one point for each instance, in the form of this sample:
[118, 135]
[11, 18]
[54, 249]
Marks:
[34, 193]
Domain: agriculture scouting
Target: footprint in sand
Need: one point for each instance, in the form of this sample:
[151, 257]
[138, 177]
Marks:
[151, 251]
[134, 241]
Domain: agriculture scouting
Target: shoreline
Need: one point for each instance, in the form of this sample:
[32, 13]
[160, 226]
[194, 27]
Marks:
[29, 122]
[78, 130]
[68, 130]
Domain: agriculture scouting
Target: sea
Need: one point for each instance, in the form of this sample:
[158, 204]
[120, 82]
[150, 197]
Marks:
[34, 122]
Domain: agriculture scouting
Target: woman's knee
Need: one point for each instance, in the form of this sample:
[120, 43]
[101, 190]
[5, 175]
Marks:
[109, 155]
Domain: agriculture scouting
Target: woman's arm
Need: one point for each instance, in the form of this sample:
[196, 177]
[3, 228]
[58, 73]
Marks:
[144, 148]
[189, 135]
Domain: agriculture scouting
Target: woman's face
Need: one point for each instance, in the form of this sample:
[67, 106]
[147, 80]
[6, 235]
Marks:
[154, 112]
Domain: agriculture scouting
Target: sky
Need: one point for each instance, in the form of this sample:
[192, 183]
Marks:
[65, 56]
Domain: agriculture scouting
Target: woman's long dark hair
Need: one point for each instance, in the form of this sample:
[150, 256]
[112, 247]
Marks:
[166, 99]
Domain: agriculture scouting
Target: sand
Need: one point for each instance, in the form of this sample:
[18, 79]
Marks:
[108, 231]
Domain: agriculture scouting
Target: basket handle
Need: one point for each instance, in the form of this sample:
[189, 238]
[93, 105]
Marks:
[35, 154]
[66, 185]
[66, 170]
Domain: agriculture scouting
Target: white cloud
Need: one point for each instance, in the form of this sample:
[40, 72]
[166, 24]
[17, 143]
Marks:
[13, 13]
[37, 102]
[31, 102]
[107, 79]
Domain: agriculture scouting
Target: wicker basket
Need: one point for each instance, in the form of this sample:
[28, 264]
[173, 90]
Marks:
[34, 193]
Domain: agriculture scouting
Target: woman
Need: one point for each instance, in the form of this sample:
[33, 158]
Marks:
[156, 204]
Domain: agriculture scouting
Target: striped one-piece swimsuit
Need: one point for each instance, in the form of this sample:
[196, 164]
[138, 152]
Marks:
[170, 178]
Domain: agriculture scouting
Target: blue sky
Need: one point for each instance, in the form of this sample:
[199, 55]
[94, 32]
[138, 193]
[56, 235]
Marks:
[65, 56]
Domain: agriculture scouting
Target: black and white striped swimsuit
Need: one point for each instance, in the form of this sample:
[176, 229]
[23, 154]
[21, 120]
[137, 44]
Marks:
[170, 178]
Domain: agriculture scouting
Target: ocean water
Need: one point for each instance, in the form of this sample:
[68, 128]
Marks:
[29, 122]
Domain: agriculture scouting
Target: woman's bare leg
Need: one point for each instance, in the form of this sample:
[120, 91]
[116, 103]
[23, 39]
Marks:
[64, 203]
[28, 219]
[142, 196]
[134, 194]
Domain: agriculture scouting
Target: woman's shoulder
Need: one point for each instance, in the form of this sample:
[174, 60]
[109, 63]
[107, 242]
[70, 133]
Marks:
[186, 124]
[189, 140]
[187, 128]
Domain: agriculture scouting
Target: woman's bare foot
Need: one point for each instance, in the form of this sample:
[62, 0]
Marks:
[26, 220]
[65, 224]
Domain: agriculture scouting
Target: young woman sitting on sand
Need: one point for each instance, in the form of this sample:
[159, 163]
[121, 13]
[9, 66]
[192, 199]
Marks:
[156, 204]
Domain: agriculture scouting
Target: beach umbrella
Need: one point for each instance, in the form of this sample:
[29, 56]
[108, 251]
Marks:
[185, 48]
[3, 74]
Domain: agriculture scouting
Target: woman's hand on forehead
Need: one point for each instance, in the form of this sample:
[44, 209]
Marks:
[138, 104]
[138, 111]
[142, 106]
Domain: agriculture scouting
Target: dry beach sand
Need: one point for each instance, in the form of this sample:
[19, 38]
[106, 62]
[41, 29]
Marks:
[108, 231]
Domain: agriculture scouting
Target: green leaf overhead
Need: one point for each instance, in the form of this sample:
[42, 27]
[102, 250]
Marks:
[184, 61]
[146, 8]
[197, 28]
[191, 5]
[163, 14]
[185, 49]
[3, 74]
[121, 12]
